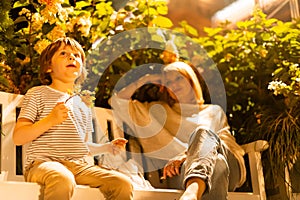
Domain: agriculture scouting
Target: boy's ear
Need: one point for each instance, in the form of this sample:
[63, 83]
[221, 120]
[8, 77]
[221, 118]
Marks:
[49, 70]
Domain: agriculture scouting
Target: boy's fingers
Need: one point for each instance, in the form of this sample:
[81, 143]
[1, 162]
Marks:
[120, 141]
[164, 174]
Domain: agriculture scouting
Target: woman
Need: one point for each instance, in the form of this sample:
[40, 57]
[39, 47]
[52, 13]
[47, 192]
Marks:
[194, 137]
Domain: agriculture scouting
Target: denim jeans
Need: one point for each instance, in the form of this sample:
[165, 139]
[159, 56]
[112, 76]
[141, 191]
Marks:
[209, 160]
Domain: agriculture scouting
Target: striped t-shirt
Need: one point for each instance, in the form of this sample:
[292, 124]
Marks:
[65, 141]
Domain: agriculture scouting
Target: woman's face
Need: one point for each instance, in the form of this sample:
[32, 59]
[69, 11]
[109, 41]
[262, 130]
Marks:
[179, 87]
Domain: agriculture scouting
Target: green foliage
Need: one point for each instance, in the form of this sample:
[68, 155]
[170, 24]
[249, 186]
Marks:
[259, 64]
[258, 60]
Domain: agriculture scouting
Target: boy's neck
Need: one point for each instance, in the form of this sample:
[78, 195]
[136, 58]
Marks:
[67, 88]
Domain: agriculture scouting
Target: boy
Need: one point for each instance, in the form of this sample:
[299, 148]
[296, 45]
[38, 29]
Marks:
[57, 123]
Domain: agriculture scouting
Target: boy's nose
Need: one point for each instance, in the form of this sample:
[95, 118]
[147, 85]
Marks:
[72, 57]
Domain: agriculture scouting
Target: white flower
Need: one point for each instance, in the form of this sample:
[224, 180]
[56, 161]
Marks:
[277, 86]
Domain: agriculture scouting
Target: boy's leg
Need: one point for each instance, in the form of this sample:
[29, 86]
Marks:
[114, 185]
[57, 180]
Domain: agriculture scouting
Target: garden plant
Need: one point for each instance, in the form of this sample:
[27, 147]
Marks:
[258, 59]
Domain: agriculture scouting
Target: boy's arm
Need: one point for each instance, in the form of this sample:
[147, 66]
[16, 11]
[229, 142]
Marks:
[114, 147]
[26, 131]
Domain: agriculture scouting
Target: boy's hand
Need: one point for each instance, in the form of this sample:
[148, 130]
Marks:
[118, 145]
[120, 142]
[58, 114]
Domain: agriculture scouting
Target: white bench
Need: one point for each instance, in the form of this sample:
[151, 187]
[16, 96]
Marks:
[14, 186]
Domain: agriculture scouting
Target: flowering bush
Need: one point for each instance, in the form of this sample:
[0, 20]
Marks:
[289, 87]
[35, 24]
[28, 26]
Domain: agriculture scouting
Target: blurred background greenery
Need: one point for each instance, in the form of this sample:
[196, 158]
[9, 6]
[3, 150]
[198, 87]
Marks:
[258, 59]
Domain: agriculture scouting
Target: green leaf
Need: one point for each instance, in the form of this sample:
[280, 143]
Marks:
[212, 31]
[101, 8]
[2, 50]
[19, 4]
[163, 22]
[191, 30]
[4, 81]
[277, 71]
[81, 4]
[271, 22]
[47, 28]
[163, 10]
[20, 19]
[151, 12]
[233, 84]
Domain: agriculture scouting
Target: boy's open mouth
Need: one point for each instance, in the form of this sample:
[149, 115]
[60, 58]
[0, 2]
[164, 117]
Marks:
[71, 65]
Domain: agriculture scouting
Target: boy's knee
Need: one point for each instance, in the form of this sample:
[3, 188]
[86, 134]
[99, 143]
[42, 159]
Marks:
[119, 187]
[61, 182]
[59, 187]
[124, 182]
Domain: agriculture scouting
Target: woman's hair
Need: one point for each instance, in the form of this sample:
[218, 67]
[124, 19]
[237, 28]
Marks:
[49, 51]
[194, 78]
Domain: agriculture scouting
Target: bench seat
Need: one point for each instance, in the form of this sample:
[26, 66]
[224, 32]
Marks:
[12, 190]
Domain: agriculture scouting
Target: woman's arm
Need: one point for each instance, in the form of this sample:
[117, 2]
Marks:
[26, 131]
[128, 91]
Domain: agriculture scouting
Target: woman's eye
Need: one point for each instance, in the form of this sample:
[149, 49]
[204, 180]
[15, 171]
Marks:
[179, 78]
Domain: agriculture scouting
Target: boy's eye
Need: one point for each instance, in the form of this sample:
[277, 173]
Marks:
[63, 53]
[77, 55]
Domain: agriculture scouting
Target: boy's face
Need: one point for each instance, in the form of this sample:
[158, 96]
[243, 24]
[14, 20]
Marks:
[66, 64]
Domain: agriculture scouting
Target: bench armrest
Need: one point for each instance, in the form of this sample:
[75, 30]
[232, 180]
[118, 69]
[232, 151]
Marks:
[256, 146]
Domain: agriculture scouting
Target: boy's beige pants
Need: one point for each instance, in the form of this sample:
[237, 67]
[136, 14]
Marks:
[60, 178]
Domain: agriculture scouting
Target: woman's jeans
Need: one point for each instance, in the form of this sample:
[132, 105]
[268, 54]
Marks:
[208, 159]
[60, 178]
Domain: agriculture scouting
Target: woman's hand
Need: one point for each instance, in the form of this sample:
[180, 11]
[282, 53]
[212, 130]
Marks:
[149, 78]
[129, 90]
[172, 168]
